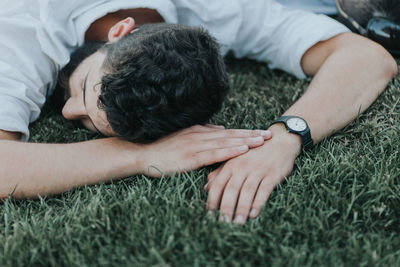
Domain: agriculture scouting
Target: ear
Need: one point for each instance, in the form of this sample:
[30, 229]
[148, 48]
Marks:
[121, 29]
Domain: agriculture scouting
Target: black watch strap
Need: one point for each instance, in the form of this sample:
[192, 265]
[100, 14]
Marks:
[306, 140]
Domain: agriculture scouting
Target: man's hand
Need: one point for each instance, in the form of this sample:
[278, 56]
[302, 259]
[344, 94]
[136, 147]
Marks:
[350, 72]
[196, 147]
[246, 182]
[31, 169]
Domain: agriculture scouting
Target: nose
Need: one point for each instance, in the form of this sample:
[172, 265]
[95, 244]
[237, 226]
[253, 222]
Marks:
[74, 109]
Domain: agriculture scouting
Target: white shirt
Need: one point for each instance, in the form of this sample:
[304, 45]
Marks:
[37, 37]
[316, 6]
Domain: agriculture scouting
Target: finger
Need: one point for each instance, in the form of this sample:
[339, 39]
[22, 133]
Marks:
[210, 157]
[211, 176]
[198, 129]
[246, 198]
[235, 134]
[213, 126]
[266, 134]
[230, 197]
[216, 189]
[215, 172]
[251, 142]
[264, 191]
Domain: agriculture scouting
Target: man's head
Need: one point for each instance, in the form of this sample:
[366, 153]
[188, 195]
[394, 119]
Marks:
[146, 83]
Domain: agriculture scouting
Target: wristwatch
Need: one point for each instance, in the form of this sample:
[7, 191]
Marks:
[298, 126]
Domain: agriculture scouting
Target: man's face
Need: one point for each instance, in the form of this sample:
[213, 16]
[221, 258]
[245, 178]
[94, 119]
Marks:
[83, 93]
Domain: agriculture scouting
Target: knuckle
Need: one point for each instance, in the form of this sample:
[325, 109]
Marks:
[234, 186]
[255, 133]
[210, 175]
[214, 154]
[217, 185]
[197, 127]
[227, 209]
[243, 164]
[192, 130]
[242, 209]
[261, 198]
[212, 198]
[247, 190]
[192, 159]
[233, 133]
[230, 165]
[222, 142]
[259, 204]
[185, 142]
[231, 151]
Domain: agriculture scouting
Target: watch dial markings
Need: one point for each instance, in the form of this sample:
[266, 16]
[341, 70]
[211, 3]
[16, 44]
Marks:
[297, 124]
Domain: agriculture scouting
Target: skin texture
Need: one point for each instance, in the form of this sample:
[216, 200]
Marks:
[350, 72]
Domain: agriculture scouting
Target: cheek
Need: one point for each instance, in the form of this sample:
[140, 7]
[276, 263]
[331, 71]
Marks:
[88, 125]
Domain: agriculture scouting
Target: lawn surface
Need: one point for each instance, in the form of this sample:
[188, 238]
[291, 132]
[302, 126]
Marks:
[340, 206]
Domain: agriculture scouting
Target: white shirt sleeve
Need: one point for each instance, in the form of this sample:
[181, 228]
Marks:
[315, 6]
[260, 29]
[36, 39]
[274, 34]
[25, 71]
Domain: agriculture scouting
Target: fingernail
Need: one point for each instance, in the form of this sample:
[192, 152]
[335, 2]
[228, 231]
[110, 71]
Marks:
[243, 148]
[257, 140]
[239, 219]
[253, 213]
[266, 133]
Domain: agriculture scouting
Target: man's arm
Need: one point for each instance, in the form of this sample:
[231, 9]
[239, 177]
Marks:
[6, 135]
[350, 72]
[30, 169]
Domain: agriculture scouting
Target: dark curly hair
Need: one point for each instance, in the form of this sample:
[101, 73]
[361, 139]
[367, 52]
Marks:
[161, 78]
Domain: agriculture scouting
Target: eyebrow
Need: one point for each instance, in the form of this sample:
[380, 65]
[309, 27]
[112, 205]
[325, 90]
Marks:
[84, 103]
[84, 89]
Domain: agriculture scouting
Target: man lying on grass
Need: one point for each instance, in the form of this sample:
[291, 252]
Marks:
[148, 83]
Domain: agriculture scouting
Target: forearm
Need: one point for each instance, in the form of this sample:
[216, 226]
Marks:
[31, 169]
[350, 72]
[5, 135]
[347, 81]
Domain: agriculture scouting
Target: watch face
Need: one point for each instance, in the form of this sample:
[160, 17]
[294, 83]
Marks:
[296, 124]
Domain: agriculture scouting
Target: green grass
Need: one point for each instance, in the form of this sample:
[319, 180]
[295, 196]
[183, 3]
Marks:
[340, 206]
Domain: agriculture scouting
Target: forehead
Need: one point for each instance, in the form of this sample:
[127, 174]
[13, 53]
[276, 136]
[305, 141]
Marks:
[92, 64]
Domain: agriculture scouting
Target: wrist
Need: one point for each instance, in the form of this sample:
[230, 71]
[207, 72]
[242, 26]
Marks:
[128, 156]
[291, 141]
